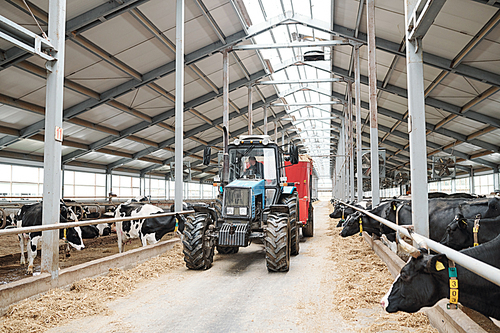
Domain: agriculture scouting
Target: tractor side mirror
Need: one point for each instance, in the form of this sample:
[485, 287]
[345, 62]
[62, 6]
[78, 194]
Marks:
[207, 153]
[294, 154]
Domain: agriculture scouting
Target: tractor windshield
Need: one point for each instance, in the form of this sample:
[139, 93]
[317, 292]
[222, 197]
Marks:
[252, 162]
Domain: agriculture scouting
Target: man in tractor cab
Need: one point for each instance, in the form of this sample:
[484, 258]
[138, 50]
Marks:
[255, 168]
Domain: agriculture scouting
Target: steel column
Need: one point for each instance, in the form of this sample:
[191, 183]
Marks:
[359, 142]
[179, 104]
[495, 180]
[472, 183]
[52, 147]
[351, 141]
[265, 119]
[372, 75]
[250, 113]
[276, 132]
[225, 114]
[416, 127]
[453, 185]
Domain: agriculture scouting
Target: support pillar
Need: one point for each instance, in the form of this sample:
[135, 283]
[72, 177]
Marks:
[265, 119]
[416, 127]
[472, 183]
[225, 115]
[52, 147]
[179, 105]
[250, 111]
[351, 142]
[359, 144]
[372, 75]
[276, 132]
[496, 186]
[453, 185]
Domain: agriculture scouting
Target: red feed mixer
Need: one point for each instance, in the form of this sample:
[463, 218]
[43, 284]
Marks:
[300, 175]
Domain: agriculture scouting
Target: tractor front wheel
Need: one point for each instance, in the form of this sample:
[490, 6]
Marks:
[198, 247]
[277, 243]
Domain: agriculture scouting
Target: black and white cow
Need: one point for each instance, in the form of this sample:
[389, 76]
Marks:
[31, 215]
[441, 211]
[150, 230]
[459, 233]
[424, 281]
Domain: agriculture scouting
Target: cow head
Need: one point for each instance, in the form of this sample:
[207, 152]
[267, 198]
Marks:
[74, 237]
[458, 234]
[337, 211]
[418, 284]
[351, 224]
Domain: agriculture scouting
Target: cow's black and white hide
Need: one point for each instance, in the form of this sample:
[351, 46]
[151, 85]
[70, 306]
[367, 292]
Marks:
[31, 215]
[150, 230]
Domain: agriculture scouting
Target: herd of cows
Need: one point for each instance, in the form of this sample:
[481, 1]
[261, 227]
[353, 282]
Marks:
[453, 221]
[148, 230]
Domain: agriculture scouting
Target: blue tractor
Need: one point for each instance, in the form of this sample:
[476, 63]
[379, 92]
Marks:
[255, 203]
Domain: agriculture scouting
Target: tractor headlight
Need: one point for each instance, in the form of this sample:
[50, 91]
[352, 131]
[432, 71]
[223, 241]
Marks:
[265, 142]
[236, 142]
[230, 210]
[243, 211]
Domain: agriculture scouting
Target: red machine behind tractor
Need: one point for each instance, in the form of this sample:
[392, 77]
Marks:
[301, 175]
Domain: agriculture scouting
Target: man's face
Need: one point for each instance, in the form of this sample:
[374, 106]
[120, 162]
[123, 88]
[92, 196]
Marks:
[252, 162]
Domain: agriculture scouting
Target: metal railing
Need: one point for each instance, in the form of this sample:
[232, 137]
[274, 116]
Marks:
[486, 271]
[66, 225]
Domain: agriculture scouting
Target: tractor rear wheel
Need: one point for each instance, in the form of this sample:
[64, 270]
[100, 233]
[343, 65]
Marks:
[198, 247]
[308, 230]
[227, 249]
[277, 243]
[292, 202]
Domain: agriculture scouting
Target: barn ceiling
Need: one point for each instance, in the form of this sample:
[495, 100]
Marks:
[120, 80]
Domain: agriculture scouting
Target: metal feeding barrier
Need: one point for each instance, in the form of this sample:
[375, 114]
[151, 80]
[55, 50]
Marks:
[486, 271]
[66, 225]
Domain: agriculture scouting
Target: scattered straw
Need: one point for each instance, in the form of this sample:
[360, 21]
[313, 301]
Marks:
[363, 279]
[85, 297]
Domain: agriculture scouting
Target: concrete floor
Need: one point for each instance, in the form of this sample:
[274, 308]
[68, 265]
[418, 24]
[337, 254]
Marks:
[236, 295]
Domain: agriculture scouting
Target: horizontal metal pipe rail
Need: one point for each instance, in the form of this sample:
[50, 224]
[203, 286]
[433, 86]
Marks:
[55, 226]
[486, 271]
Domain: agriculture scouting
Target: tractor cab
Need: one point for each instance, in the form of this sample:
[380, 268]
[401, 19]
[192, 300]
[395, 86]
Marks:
[256, 157]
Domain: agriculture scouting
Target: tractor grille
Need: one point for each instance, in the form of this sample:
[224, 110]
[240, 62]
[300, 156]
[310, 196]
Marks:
[233, 234]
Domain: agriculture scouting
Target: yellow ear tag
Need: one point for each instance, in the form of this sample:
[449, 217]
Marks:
[394, 207]
[439, 266]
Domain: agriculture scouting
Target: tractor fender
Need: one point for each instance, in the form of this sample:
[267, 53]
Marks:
[278, 208]
[206, 210]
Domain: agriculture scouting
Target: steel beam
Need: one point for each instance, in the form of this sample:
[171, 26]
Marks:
[421, 18]
[78, 24]
[372, 75]
[270, 82]
[53, 139]
[179, 105]
[289, 45]
[357, 89]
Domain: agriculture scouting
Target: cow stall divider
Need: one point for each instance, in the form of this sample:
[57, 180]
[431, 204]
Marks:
[486, 271]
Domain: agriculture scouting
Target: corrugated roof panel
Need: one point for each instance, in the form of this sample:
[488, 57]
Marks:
[17, 118]
[100, 114]
[17, 83]
[227, 19]
[84, 135]
[99, 158]
[153, 54]
[26, 146]
[489, 106]
[99, 77]
[121, 121]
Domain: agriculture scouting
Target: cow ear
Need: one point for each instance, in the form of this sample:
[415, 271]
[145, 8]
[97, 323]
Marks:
[436, 264]
[462, 224]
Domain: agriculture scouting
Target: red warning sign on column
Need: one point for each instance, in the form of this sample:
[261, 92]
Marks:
[59, 134]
